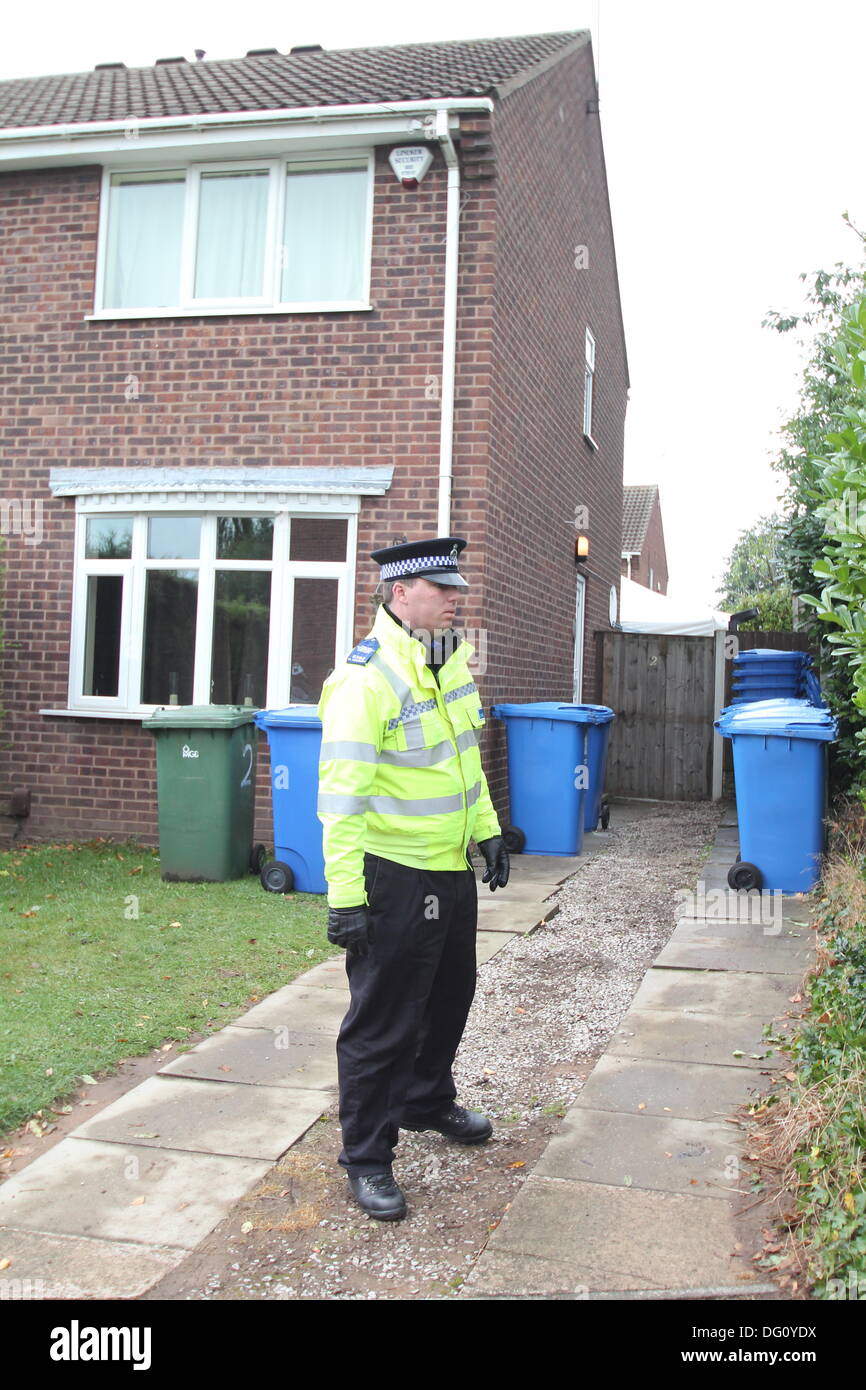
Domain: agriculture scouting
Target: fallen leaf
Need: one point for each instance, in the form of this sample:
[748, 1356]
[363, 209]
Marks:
[519, 1164]
[224, 1067]
[642, 1105]
[246, 1228]
[4, 1264]
[133, 872]
[848, 1200]
[137, 1202]
[790, 1076]
[88, 1080]
[795, 998]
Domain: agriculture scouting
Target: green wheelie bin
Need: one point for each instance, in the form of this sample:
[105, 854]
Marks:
[206, 787]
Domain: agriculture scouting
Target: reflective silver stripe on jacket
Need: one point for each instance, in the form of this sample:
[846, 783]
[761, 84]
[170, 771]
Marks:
[473, 794]
[418, 757]
[466, 740]
[399, 686]
[470, 689]
[345, 748]
[340, 804]
[429, 806]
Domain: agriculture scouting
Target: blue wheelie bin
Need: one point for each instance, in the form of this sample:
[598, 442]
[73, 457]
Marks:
[598, 721]
[295, 739]
[780, 773]
[550, 774]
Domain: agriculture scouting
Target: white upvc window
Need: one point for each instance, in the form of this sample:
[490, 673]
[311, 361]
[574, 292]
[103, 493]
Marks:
[588, 381]
[239, 236]
[209, 603]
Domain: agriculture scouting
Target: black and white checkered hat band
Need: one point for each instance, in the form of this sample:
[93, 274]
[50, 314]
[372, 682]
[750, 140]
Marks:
[397, 568]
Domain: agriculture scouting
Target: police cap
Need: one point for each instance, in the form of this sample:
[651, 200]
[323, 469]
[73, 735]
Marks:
[435, 560]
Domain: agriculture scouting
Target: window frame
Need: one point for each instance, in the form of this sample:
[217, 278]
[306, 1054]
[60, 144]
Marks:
[283, 570]
[278, 169]
[588, 386]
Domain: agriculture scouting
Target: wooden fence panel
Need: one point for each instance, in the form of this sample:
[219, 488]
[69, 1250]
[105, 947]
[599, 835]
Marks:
[661, 689]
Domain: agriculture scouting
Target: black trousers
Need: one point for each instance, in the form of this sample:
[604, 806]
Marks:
[410, 999]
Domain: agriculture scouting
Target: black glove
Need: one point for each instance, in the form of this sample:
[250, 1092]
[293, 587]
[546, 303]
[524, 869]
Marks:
[349, 927]
[498, 863]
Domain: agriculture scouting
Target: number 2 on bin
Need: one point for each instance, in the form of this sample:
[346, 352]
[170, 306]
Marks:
[245, 780]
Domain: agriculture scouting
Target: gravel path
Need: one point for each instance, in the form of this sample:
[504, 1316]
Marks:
[545, 1009]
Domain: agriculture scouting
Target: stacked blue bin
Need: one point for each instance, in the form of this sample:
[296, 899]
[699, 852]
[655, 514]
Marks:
[780, 772]
[556, 762]
[295, 739]
[766, 674]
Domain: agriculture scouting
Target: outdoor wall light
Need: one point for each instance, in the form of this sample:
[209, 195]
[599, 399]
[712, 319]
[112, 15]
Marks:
[581, 550]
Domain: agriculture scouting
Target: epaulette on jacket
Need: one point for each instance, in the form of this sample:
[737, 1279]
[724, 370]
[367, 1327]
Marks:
[360, 655]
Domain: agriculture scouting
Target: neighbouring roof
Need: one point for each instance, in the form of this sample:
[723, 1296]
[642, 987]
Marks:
[637, 506]
[273, 81]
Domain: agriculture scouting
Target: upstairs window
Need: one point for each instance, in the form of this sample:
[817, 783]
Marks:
[259, 235]
[588, 380]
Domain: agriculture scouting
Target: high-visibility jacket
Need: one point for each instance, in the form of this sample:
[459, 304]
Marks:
[400, 773]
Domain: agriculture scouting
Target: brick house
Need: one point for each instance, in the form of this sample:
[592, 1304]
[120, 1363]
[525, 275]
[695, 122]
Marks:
[240, 352]
[644, 558]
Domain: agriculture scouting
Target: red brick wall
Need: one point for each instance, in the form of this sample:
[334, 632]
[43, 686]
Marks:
[551, 198]
[321, 389]
[653, 556]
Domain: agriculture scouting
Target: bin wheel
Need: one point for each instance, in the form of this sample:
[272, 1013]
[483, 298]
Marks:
[514, 839]
[605, 815]
[277, 877]
[744, 875]
[258, 855]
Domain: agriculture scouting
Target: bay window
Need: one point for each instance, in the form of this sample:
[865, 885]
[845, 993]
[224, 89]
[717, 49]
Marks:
[207, 606]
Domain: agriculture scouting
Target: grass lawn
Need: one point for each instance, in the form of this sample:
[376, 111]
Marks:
[100, 960]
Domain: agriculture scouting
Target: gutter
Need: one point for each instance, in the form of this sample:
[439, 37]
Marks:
[68, 131]
[449, 316]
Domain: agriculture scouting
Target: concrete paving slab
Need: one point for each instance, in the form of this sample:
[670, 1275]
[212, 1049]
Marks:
[687, 1090]
[725, 992]
[728, 834]
[513, 917]
[75, 1267]
[261, 1057]
[547, 870]
[154, 1197]
[746, 930]
[328, 974]
[715, 875]
[696, 1038]
[487, 943]
[217, 1117]
[659, 1152]
[561, 1236]
[295, 1006]
[749, 956]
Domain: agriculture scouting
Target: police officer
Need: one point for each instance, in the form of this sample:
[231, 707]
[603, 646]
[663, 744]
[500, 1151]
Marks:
[401, 794]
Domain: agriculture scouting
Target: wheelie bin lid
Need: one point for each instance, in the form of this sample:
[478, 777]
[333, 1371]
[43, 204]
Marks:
[555, 709]
[292, 717]
[785, 718]
[762, 654]
[200, 717]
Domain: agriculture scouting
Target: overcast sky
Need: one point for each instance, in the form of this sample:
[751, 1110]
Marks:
[734, 142]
